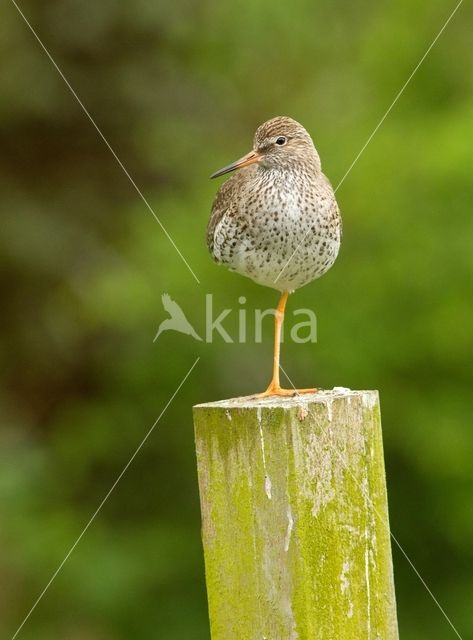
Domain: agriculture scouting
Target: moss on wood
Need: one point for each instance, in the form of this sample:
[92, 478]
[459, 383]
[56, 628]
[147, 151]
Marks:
[294, 518]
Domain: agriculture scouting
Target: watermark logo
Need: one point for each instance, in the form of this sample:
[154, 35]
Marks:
[300, 323]
[177, 320]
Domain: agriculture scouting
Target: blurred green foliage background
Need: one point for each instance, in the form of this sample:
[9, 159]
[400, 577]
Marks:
[178, 89]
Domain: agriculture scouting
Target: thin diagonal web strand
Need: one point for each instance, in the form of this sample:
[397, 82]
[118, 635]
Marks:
[107, 496]
[397, 543]
[110, 148]
[375, 130]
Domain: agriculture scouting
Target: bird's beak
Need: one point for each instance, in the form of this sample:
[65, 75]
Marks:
[250, 158]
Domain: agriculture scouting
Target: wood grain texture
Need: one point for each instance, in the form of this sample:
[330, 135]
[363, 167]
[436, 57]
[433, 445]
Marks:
[294, 518]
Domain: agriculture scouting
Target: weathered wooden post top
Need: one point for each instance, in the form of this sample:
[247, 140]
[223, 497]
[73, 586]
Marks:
[294, 518]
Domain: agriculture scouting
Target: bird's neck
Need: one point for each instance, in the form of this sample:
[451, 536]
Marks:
[304, 170]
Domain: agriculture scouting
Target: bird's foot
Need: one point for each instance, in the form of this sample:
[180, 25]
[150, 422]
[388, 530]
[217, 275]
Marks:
[276, 390]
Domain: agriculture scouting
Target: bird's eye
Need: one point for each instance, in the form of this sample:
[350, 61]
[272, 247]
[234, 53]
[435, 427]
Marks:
[281, 140]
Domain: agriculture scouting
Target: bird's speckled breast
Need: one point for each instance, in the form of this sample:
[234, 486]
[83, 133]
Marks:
[282, 229]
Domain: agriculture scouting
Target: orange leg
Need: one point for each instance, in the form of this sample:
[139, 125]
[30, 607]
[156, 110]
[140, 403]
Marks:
[275, 388]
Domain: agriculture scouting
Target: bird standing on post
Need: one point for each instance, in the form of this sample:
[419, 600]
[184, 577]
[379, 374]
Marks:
[276, 220]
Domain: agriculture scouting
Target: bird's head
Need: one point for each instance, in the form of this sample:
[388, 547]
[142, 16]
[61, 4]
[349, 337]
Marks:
[279, 143]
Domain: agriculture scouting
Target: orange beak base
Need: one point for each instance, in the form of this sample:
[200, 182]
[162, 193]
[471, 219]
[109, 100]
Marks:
[250, 158]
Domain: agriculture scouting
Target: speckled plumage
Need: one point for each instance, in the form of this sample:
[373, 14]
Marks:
[279, 209]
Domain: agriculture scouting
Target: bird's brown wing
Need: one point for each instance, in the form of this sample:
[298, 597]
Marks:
[334, 211]
[222, 205]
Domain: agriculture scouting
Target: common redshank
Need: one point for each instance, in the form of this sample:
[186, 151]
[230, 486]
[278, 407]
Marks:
[276, 220]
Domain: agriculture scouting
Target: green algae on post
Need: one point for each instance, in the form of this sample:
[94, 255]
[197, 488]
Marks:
[294, 518]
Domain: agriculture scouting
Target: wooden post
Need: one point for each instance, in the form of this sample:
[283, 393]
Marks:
[294, 518]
